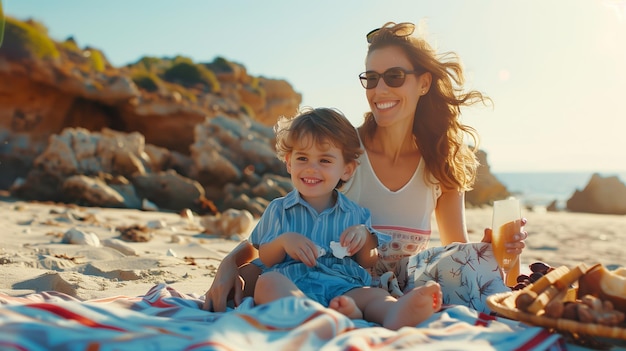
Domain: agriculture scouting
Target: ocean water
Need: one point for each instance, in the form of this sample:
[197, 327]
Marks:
[540, 189]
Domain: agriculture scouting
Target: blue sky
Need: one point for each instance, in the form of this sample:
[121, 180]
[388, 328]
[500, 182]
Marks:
[554, 68]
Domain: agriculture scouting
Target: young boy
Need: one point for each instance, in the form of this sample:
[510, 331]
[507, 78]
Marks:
[320, 149]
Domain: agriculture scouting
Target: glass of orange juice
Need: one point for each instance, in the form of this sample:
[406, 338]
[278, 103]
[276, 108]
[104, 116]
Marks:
[506, 223]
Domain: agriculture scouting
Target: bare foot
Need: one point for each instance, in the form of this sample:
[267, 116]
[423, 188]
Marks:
[414, 307]
[346, 306]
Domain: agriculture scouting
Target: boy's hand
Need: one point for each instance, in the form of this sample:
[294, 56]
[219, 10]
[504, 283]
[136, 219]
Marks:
[353, 238]
[300, 248]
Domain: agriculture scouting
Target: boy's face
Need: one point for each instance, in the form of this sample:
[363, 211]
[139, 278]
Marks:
[316, 168]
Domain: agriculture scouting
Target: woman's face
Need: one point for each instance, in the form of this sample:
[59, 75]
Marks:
[393, 106]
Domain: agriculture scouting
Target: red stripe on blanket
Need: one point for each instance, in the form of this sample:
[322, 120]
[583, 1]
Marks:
[539, 338]
[67, 314]
[8, 346]
[160, 303]
[484, 319]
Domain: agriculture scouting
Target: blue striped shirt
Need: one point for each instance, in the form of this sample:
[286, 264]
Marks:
[291, 213]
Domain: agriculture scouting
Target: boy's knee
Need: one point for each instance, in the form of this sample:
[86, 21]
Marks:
[267, 280]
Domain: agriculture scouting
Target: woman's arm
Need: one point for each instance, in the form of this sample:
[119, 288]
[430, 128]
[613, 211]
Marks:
[368, 255]
[227, 278]
[243, 253]
[450, 213]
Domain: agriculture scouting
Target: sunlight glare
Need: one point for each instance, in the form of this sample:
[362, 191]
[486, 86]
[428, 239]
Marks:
[618, 7]
[504, 74]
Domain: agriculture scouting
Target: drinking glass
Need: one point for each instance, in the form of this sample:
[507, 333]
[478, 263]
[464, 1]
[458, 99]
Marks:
[506, 223]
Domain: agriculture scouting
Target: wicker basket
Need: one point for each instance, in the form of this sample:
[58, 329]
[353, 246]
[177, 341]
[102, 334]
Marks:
[504, 304]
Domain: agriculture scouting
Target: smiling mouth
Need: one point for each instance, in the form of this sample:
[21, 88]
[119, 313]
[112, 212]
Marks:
[311, 180]
[386, 105]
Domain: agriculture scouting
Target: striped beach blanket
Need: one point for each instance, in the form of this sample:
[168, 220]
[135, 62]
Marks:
[166, 319]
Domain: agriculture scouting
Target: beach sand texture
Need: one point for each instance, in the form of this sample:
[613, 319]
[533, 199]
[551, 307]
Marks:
[33, 257]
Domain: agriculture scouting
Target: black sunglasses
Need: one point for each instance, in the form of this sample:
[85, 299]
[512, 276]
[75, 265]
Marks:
[394, 77]
[405, 29]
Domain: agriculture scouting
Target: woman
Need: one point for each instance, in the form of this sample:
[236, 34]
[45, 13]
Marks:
[415, 163]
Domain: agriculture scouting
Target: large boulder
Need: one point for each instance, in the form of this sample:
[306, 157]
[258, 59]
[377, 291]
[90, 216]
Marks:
[169, 190]
[487, 187]
[602, 195]
[76, 151]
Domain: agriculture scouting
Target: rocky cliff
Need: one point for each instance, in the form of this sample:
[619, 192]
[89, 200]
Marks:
[164, 132]
[47, 86]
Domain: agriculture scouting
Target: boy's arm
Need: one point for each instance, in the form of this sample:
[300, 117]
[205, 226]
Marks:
[267, 232]
[296, 245]
[272, 252]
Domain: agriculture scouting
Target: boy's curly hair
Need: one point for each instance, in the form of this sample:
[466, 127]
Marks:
[321, 126]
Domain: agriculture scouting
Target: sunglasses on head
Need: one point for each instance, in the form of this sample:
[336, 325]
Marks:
[403, 29]
[394, 77]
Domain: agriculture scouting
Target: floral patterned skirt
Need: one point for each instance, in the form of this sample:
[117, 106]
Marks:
[467, 272]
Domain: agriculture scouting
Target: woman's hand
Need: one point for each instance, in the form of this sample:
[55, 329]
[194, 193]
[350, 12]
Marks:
[353, 238]
[226, 279]
[517, 245]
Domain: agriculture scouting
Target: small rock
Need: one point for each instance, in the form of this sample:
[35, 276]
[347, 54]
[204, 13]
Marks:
[156, 224]
[179, 239]
[78, 237]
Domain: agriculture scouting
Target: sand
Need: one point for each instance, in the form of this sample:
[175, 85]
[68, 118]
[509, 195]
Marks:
[33, 257]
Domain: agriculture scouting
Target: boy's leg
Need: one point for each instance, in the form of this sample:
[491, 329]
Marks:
[347, 306]
[373, 302]
[409, 310]
[273, 285]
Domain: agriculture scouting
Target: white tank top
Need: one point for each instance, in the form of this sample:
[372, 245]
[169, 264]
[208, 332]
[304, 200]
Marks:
[404, 214]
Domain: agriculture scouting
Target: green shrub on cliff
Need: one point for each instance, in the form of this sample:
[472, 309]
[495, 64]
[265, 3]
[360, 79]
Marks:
[149, 64]
[146, 81]
[70, 45]
[255, 86]
[96, 59]
[27, 40]
[220, 64]
[189, 74]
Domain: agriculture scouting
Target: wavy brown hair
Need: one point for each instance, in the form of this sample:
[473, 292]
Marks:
[437, 131]
[320, 126]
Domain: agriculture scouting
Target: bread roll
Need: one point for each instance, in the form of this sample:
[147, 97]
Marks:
[604, 284]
